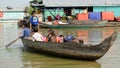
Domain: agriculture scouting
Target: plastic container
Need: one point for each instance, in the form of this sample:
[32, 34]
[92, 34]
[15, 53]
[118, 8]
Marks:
[82, 16]
[49, 18]
[95, 15]
[108, 16]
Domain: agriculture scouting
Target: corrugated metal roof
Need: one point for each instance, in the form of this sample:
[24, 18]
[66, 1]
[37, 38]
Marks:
[66, 3]
[113, 2]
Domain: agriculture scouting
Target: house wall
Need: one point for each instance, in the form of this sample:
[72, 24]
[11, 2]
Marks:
[78, 11]
[60, 11]
[12, 15]
[54, 12]
[115, 9]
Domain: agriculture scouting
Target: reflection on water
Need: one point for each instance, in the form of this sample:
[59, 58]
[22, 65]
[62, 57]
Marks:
[10, 32]
[43, 61]
[95, 35]
[14, 57]
[9, 58]
[1, 33]
[83, 35]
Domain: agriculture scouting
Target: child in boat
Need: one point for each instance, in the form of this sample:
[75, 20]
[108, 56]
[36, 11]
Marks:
[81, 41]
[26, 31]
[51, 37]
[71, 38]
[37, 36]
[60, 39]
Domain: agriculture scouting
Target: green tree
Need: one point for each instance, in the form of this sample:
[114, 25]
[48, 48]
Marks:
[30, 10]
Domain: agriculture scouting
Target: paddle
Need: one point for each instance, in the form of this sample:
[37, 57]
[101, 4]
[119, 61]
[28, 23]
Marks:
[11, 42]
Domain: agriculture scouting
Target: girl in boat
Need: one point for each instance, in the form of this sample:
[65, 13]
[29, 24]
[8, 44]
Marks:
[51, 37]
[60, 39]
[37, 36]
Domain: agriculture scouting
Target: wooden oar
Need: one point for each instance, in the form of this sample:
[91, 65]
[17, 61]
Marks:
[11, 42]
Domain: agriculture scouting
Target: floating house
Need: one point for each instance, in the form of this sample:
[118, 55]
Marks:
[72, 7]
[12, 9]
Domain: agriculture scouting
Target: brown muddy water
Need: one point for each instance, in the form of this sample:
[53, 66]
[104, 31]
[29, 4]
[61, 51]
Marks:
[15, 57]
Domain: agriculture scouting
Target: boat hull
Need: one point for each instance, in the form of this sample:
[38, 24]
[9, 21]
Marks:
[86, 24]
[72, 50]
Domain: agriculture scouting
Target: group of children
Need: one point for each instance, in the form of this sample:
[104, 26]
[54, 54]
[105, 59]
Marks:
[51, 37]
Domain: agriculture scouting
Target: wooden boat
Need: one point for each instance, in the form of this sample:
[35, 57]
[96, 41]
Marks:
[81, 24]
[72, 50]
[63, 26]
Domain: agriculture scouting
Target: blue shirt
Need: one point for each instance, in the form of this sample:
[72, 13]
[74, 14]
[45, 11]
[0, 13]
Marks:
[34, 20]
[26, 32]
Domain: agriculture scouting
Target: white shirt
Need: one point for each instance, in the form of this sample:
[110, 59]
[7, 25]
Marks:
[37, 37]
[35, 19]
